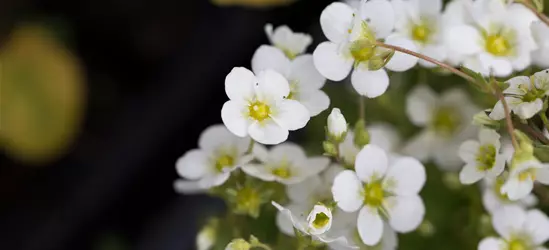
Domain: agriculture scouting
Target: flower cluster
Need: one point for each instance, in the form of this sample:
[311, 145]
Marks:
[366, 187]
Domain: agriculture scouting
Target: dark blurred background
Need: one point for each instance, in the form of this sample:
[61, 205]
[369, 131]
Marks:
[153, 73]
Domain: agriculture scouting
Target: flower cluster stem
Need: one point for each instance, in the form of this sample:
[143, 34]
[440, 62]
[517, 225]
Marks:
[510, 127]
[361, 107]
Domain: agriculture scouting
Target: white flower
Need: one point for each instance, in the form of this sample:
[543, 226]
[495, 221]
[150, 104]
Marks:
[291, 43]
[351, 36]
[389, 239]
[305, 81]
[381, 191]
[314, 224]
[382, 135]
[522, 176]
[518, 229]
[258, 106]
[420, 22]
[337, 125]
[304, 195]
[482, 158]
[445, 120]
[496, 39]
[524, 96]
[493, 199]
[219, 153]
[540, 32]
[286, 163]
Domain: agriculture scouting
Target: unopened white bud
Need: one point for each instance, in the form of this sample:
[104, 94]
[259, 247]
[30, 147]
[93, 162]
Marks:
[337, 125]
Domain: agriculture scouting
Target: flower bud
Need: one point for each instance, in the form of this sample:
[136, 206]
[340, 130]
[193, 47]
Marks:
[206, 238]
[482, 119]
[319, 219]
[329, 148]
[238, 244]
[337, 125]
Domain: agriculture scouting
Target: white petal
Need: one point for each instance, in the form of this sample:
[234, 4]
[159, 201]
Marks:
[421, 145]
[315, 101]
[303, 70]
[405, 212]
[500, 67]
[371, 163]
[542, 174]
[269, 57]
[464, 39]
[380, 16]
[331, 62]
[213, 180]
[430, 7]
[406, 176]
[284, 37]
[335, 20]
[346, 191]
[239, 84]
[233, 116]
[508, 220]
[468, 151]
[272, 86]
[490, 201]
[303, 191]
[370, 83]
[540, 32]
[491, 243]
[384, 135]
[215, 136]
[499, 166]
[470, 174]
[192, 165]
[287, 151]
[260, 152]
[291, 115]
[258, 171]
[489, 136]
[297, 220]
[436, 52]
[420, 105]
[527, 110]
[284, 224]
[498, 112]
[400, 61]
[516, 189]
[537, 226]
[541, 79]
[369, 225]
[188, 187]
[315, 165]
[268, 132]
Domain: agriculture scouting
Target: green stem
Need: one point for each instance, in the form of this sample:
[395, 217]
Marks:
[250, 146]
[361, 107]
[544, 119]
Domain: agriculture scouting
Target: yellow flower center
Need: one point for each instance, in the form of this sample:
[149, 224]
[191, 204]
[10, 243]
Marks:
[362, 50]
[248, 201]
[421, 33]
[498, 45]
[518, 244]
[321, 220]
[486, 157]
[283, 172]
[223, 161]
[446, 120]
[497, 189]
[259, 111]
[527, 174]
[373, 194]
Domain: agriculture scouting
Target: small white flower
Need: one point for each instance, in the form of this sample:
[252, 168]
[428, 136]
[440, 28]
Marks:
[382, 135]
[493, 199]
[219, 153]
[496, 39]
[304, 195]
[522, 177]
[315, 224]
[304, 79]
[286, 163]
[337, 125]
[540, 32]
[259, 107]
[291, 43]
[445, 120]
[420, 22]
[482, 158]
[518, 229]
[378, 189]
[351, 33]
[524, 96]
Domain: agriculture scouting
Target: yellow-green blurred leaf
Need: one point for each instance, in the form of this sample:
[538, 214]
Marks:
[42, 96]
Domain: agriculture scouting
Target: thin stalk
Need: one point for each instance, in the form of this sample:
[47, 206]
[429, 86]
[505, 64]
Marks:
[250, 146]
[361, 107]
[429, 59]
[544, 119]
[510, 127]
